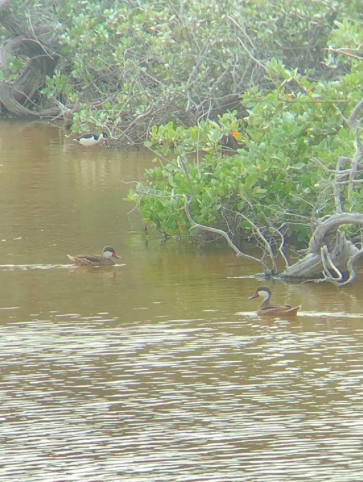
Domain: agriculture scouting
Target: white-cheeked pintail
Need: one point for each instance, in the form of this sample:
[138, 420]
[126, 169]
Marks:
[265, 309]
[107, 258]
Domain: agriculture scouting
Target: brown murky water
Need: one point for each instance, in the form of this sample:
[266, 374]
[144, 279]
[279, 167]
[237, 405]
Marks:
[157, 369]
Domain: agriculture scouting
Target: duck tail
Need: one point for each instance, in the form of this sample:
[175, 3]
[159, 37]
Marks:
[73, 259]
[293, 311]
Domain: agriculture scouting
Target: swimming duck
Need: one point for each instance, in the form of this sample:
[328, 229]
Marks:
[265, 309]
[104, 259]
[90, 140]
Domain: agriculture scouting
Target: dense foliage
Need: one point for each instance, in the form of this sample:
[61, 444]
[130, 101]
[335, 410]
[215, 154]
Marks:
[125, 66]
[271, 179]
[273, 79]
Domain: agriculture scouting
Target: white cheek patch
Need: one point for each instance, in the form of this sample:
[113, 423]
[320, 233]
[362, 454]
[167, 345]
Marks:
[107, 254]
[263, 294]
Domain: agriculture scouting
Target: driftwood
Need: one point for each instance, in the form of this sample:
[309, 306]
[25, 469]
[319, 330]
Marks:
[330, 252]
[33, 45]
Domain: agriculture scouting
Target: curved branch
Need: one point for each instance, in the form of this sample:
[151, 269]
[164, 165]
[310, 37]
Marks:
[350, 266]
[282, 245]
[332, 222]
[355, 160]
[264, 240]
[239, 253]
[353, 121]
[38, 61]
[327, 260]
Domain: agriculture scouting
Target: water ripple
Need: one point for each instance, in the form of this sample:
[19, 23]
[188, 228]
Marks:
[178, 400]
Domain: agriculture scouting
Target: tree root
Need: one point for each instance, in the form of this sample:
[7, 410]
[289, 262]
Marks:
[39, 60]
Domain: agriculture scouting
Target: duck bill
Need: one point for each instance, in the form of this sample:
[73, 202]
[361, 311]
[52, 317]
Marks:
[115, 256]
[256, 295]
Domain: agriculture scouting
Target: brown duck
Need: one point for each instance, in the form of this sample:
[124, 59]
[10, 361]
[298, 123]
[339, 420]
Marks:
[107, 258]
[265, 309]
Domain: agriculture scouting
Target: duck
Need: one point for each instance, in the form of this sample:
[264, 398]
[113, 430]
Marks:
[90, 140]
[265, 309]
[107, 258]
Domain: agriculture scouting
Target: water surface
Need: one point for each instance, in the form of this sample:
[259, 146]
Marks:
[156, 369]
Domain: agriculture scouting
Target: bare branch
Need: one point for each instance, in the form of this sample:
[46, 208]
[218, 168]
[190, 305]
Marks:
[263, 239]
[350, 266]
[353, 121]
[332, 222]
[241, 29]
[239, 253]
[345, 53]
[328, 264]
[340, 162]
[356, 158]
[340, 174]
[282, 244]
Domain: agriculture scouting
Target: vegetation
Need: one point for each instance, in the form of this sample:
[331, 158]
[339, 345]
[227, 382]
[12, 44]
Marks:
[270, 178]
[286, 177]
[126, 66]
[252, 108]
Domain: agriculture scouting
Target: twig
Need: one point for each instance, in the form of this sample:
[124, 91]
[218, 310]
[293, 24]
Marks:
[341, 161]
[344, 53]
[241, 29]
[356, 158]
[239, 253]
[263, 239]
[282, 244]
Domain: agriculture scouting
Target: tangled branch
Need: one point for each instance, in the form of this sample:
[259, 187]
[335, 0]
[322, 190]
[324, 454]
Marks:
[220, 232]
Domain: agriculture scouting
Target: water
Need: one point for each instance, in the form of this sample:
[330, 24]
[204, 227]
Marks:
[156, 369]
